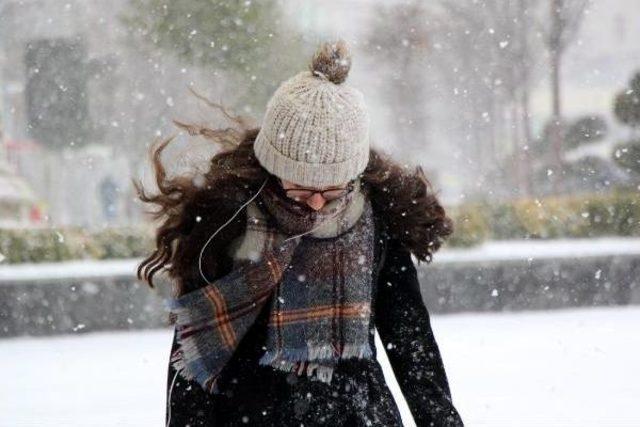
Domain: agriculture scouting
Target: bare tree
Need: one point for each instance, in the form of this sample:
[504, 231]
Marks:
[526, 57]
[493, 49]
[565, 17]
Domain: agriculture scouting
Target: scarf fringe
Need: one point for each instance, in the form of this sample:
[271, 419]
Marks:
[293, 359]
[188, 371]
[186, 359]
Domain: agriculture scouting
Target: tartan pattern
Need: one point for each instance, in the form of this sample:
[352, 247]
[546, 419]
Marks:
[319, 291]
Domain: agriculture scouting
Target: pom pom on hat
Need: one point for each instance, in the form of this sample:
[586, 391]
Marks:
[332, 61]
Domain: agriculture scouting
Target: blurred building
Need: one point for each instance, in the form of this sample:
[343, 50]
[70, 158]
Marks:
[54, 93]
[80, 105]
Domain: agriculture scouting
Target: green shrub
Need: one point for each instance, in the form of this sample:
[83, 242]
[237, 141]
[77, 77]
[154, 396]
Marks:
[470, 225]
[592, 215]
[53, 245]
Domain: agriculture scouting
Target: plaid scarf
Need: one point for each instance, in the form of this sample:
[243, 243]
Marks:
[318, 289]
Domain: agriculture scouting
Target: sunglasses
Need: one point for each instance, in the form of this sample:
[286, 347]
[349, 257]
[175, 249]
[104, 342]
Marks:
[302, 194]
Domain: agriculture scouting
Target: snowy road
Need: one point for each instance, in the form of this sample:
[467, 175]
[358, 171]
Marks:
[560, 368]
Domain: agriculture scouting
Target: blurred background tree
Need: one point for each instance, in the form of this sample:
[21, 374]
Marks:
[627, 106]
[248, 42]
[585, 130]
[627, 111]
[488, 52]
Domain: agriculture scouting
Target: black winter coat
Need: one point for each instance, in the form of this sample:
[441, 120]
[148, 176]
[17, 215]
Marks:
[358, 394]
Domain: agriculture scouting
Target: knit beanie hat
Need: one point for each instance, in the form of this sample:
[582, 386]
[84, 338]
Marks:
[315, 130]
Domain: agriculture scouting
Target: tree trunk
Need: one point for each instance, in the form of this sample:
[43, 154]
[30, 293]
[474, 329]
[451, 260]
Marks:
[525, 118]
[556, 116]
[556, 119]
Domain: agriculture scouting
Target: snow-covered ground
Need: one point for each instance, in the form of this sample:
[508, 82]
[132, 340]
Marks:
[502, 250]
[558, 368]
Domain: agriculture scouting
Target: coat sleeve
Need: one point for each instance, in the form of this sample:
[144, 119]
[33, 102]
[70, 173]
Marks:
[404, 327]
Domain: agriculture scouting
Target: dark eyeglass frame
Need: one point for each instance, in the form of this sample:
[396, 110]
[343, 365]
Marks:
[348, 189]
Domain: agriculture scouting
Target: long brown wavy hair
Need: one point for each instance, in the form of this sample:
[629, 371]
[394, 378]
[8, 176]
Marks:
[189, 209]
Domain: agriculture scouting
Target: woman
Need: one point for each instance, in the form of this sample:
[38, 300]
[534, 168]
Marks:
[287, 256]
